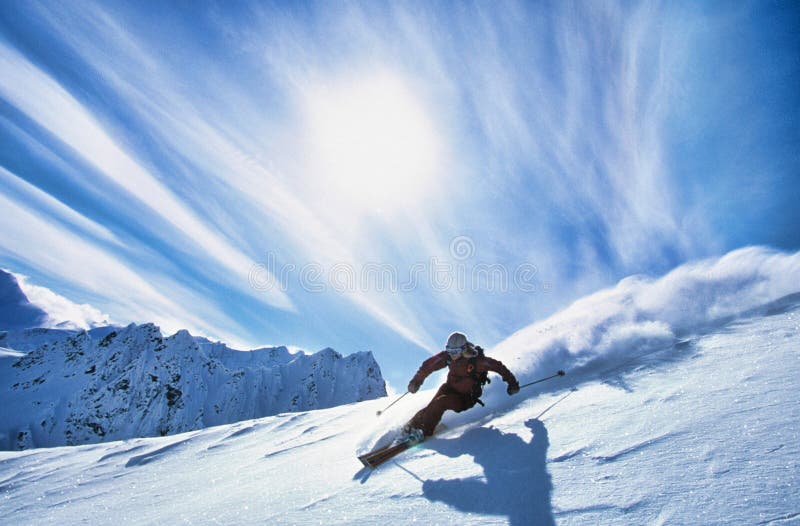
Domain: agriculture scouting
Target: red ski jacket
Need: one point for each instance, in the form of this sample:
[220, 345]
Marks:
[460, 377]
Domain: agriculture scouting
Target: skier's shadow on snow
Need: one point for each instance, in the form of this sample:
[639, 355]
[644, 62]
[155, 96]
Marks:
[517, 483]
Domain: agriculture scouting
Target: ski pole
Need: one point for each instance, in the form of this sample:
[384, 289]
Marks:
[390, 405]
[559, 373]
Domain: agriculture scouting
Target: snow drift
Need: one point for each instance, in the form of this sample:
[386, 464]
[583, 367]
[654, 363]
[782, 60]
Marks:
[617, 328]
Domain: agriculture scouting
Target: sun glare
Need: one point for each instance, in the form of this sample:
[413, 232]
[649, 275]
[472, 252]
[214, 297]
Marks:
[374, 146]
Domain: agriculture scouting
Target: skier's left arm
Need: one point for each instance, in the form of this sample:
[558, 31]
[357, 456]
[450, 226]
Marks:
[508, 377]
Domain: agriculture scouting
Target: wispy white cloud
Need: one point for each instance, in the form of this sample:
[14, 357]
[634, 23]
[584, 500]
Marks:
[45, 203]
[214, 149]
[552, 121]
[43, 99]
[61, 312]
[55, 250]
[572, 103]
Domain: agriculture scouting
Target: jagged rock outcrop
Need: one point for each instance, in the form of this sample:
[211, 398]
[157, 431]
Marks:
[115, 383]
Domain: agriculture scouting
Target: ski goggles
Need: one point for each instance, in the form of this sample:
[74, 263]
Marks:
[467, 351]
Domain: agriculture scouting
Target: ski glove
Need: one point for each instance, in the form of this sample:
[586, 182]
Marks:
[413, 387]
[512, 389]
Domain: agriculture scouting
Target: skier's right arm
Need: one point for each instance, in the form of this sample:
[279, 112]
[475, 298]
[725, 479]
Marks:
[434, 363]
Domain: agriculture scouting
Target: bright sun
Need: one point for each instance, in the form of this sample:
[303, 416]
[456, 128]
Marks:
[374, 146]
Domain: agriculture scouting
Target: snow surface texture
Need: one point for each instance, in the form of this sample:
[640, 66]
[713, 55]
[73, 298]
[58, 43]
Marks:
[702, 431]
[24, 305]
[116, 383]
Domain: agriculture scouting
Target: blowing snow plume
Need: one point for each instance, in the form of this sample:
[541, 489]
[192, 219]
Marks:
[616, 329]
[640, 321]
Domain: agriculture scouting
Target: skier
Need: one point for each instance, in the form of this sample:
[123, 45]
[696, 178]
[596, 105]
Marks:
[464, 385]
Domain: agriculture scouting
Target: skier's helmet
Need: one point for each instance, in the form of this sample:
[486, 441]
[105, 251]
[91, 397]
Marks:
[457, 343]
[457, 340]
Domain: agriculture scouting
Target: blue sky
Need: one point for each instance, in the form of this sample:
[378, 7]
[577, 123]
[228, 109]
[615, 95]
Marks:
[238, 168]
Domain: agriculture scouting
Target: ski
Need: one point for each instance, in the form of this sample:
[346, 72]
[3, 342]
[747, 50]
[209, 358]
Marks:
[377, 457]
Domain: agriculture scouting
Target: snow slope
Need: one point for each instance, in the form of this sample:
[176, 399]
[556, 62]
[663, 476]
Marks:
[659, 421]
[78, 387]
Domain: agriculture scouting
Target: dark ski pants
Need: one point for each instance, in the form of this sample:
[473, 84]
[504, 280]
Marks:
[445, 398]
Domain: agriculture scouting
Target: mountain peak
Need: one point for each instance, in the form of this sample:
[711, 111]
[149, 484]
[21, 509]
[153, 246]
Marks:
[79, 387]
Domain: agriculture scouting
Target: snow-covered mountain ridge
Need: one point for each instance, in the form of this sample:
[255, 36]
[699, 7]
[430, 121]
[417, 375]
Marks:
[77, 387]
